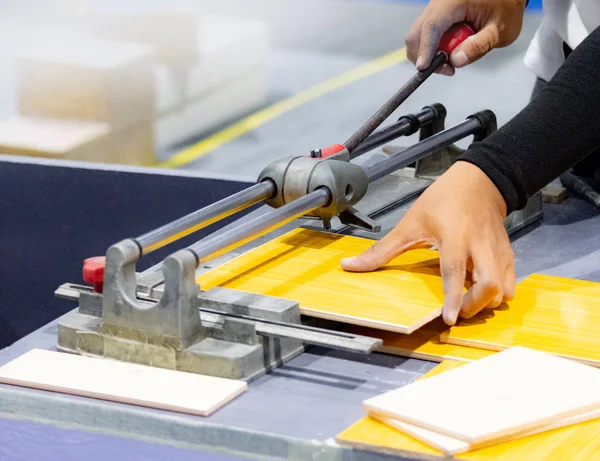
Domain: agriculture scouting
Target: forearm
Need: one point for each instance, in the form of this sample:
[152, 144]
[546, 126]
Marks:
[554, 132]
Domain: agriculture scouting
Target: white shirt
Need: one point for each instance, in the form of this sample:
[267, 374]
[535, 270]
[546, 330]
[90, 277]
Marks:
[569, 21]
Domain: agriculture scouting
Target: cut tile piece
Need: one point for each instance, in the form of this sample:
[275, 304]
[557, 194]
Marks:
[452, 446]
[576, 443]
[121, 382]
[371, 434]
[304, 266]
[550, 314]
[509, 393]
[423, 344]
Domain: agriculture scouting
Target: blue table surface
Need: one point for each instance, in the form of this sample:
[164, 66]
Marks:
[25, 441]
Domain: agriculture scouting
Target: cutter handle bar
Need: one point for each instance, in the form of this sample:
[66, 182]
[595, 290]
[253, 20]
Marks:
[449, 41]
[246, 198]
[221, 242]
[405, 126]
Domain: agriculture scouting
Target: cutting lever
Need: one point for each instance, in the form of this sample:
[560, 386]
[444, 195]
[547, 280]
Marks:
[457, 34]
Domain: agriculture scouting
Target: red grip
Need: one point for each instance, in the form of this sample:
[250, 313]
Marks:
[332, 150]
[457, 34]
[93, 272]
[327, 151]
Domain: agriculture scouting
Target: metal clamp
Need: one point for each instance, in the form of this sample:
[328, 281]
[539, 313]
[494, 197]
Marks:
[175, 318]
[438, 162]
[296, 177]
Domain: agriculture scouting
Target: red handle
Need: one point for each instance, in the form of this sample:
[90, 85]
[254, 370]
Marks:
[93, 272]
[457, 34]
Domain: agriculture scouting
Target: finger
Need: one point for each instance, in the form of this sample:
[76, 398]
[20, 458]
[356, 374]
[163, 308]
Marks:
[487, 291]
[510, 282]
[412, 41]
[446, 69]
[475, 47]
[498, 299]
[382, 252]
[453, 266]
[431, 33]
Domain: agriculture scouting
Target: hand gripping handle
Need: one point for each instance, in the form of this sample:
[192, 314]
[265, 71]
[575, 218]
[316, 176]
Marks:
[453, 37]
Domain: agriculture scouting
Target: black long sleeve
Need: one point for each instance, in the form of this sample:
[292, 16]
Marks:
[556, 130]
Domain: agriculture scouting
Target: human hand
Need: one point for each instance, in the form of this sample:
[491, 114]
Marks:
[462, 214]
[497, 24]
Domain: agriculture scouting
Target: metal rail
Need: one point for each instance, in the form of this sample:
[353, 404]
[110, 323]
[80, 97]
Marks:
[222, 241]
[438, 141]
[405, 126]
[307, 334]
[204, 217]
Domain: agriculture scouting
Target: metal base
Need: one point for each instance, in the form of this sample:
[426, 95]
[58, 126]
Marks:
[229, 348]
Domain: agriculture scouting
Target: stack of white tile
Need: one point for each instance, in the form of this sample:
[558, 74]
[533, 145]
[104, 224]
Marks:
[82, 98]
[211, 69]
[134, 82]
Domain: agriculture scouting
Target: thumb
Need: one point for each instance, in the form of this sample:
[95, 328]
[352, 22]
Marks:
[382, 252]
[475, 47]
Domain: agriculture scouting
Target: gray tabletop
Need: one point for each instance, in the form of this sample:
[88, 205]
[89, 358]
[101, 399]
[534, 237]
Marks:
[299, 408]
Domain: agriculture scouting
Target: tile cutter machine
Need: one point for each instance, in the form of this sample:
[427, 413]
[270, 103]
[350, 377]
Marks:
[234, 334]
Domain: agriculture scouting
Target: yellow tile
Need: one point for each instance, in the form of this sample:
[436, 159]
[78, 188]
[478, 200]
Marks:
[423, 344]
[304, 266]
[551, 314]
[579, 442]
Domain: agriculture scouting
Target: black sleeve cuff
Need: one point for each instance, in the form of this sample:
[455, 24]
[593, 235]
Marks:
[490, 161]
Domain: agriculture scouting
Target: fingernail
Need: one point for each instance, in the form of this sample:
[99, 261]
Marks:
[420, 63]
[450, 317]
[348, 260]
[460, 59]
[447, 70]
[454, 317]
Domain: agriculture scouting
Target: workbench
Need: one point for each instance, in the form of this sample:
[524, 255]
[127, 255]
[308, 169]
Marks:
[295, 411]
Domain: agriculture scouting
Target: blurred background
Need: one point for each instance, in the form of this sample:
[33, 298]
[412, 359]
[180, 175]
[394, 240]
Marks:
[221, 86]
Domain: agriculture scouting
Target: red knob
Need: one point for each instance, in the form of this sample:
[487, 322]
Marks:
[457, 34]
[93, 272]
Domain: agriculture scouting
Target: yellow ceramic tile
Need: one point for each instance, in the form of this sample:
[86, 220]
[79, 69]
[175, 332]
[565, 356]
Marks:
[579, 442]
[423, 344]
[304, 265]
[551, 314]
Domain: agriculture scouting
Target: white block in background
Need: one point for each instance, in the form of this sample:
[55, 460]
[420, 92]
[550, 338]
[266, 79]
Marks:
[54, 138]
[170, 28]
[87, 79]
[218, 107]
[227, 48]
[73, 140]
[122, 382]
[133, 145]
[45, 8]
